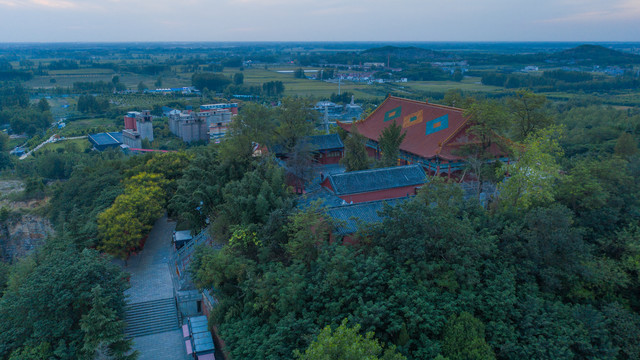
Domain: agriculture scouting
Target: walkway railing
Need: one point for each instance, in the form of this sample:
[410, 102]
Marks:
[182, 257]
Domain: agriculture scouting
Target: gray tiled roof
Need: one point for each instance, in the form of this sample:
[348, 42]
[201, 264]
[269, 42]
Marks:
[316, 143]
[325, 142]
[350, 216]
[377, 179]
[319, 194]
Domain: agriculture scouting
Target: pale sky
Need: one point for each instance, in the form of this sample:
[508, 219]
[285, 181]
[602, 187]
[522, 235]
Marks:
[312, 20]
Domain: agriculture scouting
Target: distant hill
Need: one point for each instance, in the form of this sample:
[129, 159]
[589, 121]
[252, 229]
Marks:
[596, 54]
[405, 53]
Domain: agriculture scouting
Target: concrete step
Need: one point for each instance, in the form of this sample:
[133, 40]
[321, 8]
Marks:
[149, 303]
[169, 318]
[147, 331]
[150, 310]
[151, 317]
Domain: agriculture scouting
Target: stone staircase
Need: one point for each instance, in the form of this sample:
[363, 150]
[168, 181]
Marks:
[151, 317]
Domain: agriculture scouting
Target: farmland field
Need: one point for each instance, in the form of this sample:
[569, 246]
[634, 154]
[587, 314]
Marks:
[74, 145]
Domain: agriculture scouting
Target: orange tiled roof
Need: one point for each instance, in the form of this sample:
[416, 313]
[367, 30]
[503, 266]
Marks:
[429, 127]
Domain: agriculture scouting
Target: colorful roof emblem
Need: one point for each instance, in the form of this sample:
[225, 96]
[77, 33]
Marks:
[412, 119]
[437, 124]
[393, 113]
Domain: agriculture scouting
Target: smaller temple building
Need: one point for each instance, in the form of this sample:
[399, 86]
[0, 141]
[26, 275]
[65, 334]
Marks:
[376, 184]
[327, 149]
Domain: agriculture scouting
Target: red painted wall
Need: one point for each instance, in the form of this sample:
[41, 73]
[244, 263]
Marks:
[380, 194]
[130, 123]
[325, 159]
[327, 184]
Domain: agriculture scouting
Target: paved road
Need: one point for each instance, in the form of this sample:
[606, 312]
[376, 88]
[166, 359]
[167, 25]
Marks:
[38, 147]
[151, 280]
[164, 346]
[150, 277]
[49, 140]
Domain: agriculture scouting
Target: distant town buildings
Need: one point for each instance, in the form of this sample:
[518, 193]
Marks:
[333, 111]
[144, 124]
[187, 90]
[217, 121]
[210, 123]
[131, 138]
[140, 125]
[130, 120]
[188, 126]
[232, 107]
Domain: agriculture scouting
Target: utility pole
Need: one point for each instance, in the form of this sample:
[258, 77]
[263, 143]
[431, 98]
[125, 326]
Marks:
[326, 118]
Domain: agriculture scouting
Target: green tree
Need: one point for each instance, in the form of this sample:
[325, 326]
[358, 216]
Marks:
[43, 105]
[626, 145]
[200, 190]
[122, 226]
[534, 174]
[273, 88]
[238, 78]
[41, 313]
[33, 352]
[296, 119]
[488, 120]
[256, 123]
[346, 343]
[528, 112]
[103, 328]
[308, 230]
[158, 83]
[355, 152]
[464, 339]
[146, 144]
[300, 165]
[299, 73]
[601, 192]
[458, 75]
[389, 142]
[454, 98]
[5, 160]
[211, 81]
[120, 231]
[4, 141]
[141, 86]
[252, 199]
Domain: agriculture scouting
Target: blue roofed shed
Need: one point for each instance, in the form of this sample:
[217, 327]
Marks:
[103, 141]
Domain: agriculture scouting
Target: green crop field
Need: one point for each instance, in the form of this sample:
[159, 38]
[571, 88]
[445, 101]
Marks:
[468, 84]
[74, 145]
[86, 126]
[256, 77]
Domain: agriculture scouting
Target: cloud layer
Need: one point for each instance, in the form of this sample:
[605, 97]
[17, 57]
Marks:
[309, 20]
